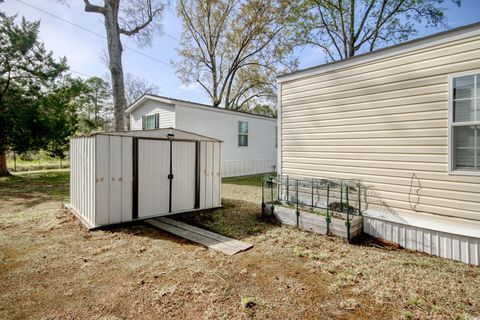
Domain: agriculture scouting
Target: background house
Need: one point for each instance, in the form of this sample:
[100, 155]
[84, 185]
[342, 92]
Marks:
[249, 140]
[405, 120]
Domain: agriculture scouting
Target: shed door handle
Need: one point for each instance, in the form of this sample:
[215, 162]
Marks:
[170, 176]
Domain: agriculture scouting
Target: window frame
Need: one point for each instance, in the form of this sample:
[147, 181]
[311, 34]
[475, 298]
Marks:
[146, 121]
[241, 134]
[451, 124]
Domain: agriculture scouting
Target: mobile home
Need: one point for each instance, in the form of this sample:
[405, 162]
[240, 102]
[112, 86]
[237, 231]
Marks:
[405, 121]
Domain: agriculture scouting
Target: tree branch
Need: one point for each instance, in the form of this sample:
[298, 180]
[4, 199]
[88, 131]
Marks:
[380, 23]
[205, 87]
[93, 8]
[137, 29]
[327, 28]
[365, 17]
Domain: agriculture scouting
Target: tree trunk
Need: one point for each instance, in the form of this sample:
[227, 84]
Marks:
[351, 31]
[3, 164]
[115, 62]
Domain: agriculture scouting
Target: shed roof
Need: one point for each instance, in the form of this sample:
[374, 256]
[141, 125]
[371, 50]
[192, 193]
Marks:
[158, 134]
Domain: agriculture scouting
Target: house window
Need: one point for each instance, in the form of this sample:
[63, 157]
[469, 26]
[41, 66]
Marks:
[242, 133]
[465, 124]
[150, 122]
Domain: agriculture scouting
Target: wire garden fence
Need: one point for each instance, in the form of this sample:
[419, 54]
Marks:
[325, 206]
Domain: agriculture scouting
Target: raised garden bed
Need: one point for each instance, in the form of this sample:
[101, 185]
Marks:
[335, 224]
[314, 205]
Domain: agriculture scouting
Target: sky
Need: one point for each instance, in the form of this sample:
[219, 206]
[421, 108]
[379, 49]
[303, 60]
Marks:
[84, 50]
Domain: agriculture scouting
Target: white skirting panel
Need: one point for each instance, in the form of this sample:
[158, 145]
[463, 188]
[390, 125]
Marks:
[438, 243]
[235, 168]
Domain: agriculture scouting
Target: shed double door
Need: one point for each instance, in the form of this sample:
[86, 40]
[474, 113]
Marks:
[166, 177]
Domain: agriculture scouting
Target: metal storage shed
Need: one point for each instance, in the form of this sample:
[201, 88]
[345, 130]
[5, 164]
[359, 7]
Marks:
[117, 177]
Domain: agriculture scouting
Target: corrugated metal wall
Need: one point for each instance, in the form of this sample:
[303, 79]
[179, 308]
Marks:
[101, 180]
[210, 177]
[153, 183]
[442, 244]
[184, 178]
[114, 176]
[82, 178]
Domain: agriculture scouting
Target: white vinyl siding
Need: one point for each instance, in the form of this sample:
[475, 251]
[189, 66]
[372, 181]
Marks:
[384, 121]
[465, 123]
[166, 113]
[259, 157]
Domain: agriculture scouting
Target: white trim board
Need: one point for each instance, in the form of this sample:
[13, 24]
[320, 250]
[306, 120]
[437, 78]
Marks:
[451, 144]
[279, 128]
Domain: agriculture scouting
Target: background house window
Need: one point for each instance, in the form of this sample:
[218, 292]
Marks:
[465, 125]
[242, 133]
[150, 122]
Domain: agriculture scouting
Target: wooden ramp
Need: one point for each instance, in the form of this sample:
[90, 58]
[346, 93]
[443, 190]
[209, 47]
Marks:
[209, 239]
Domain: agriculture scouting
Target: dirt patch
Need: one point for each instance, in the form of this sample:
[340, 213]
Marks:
[52, 268]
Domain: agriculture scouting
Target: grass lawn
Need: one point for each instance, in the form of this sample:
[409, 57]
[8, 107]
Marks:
[52, 268]
[38, 164]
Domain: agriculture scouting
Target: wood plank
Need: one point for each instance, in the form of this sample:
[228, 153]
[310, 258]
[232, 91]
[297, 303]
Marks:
[204, 232]
[209, 239]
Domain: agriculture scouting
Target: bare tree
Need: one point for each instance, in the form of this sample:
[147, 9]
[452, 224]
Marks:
[137, 18]
[136, 87]
[344, 28]
[232, 48]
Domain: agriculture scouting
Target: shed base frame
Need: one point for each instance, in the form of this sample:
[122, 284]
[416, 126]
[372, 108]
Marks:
[69, 207]
[95, 227]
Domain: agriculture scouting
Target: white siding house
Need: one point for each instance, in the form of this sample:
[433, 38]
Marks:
[249, 141]
[405, 121]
